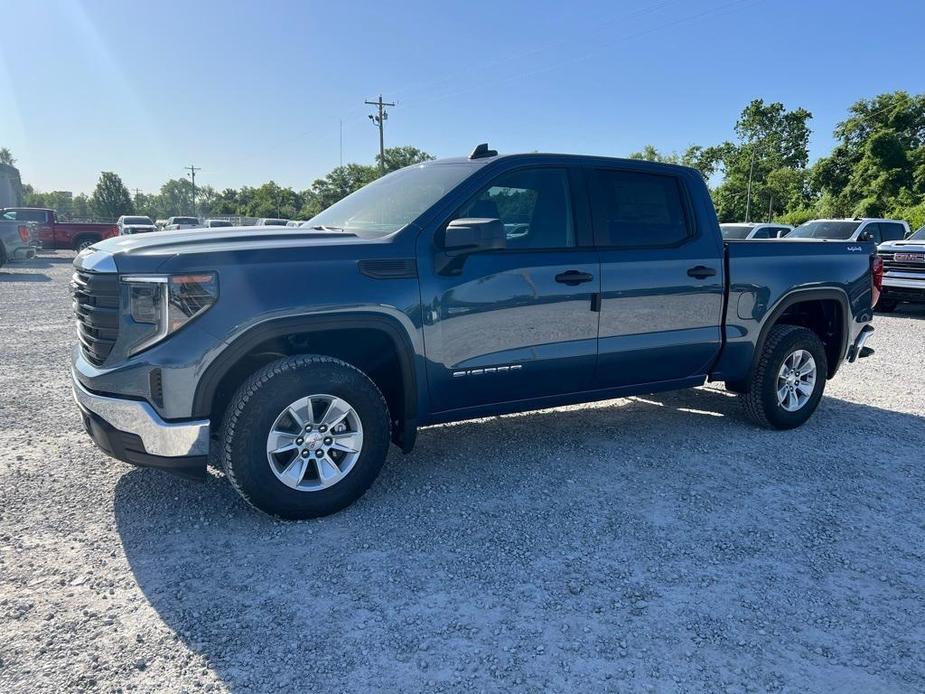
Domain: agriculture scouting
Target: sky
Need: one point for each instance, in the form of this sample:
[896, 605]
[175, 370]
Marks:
[254, 91]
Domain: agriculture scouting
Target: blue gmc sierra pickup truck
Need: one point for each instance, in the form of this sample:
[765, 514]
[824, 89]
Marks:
[448, 290]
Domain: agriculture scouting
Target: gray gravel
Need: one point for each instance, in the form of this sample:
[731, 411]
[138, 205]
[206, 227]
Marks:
[656, 543]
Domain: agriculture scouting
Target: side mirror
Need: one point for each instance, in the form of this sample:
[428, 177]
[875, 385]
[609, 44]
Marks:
[465, 236]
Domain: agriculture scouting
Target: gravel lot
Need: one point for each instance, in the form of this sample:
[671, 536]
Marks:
[658, 543]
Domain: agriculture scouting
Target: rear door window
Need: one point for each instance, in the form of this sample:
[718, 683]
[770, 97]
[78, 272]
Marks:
[638, 210]
[892, 231]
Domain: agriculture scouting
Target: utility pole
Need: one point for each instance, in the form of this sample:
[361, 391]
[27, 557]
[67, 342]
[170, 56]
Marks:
[341, 122]
[192, 174]
[379, 120]
[748, 197]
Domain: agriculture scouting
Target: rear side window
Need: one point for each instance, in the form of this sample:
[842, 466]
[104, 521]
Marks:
[763, 233]
[27, 215]
[892, 231]
[638, 210]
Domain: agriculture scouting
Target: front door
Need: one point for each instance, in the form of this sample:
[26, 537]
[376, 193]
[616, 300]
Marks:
[514, 324]
[662, 279]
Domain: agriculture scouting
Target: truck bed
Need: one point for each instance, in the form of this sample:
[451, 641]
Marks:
[761, 272]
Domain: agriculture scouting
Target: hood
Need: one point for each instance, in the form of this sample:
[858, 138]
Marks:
[208, 247]
[913, 246]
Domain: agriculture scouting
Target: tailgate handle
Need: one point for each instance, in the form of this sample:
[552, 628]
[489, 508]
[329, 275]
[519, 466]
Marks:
[573, 277]
[701, 272]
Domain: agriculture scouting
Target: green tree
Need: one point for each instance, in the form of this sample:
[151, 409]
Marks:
[111, 198]
[704, 159]
[399, 157]
[770, 139]
[337, 185]
[6, 157]
[878, 166]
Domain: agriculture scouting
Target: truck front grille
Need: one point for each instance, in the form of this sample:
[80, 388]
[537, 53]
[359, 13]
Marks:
[890, 263]
[96, 305]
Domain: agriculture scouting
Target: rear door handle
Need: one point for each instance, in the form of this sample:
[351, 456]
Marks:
[573, 277]
[701, 272]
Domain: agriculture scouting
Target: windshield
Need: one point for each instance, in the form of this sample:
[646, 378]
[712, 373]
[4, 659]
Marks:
[735, 231]
[219, 223]
[919, 235]
[824, 230]
[137, 220]
[274, 222]
[185, 220]
[393, 201]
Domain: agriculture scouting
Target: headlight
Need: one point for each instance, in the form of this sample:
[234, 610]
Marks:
[161, 305]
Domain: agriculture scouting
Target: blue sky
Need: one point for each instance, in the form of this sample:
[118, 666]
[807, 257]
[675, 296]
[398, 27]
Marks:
[252, 91]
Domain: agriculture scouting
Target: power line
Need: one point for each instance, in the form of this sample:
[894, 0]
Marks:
[379, 120]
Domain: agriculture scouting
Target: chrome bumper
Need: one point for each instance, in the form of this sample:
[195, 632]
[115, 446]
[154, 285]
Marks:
[166, 439]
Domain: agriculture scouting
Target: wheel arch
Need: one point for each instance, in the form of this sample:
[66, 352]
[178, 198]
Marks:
[323, 334]
[809, 308]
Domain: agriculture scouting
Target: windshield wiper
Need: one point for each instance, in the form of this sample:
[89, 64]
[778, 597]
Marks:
[322, 227]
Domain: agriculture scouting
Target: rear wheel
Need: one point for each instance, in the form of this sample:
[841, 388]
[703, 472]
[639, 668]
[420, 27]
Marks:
[305, 436]
[789, 379]
[82, 242]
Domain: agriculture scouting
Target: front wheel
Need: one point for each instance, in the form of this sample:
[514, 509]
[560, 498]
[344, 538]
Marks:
[305, 436]
[788, 380]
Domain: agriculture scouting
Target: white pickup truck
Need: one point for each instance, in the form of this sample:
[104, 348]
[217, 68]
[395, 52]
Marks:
[903, 271]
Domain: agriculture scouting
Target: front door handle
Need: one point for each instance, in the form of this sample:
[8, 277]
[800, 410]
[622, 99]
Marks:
[573, 277]
[701, 272]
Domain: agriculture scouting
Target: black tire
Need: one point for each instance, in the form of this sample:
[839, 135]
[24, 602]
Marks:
[2, 255]
[760, 401]
[82, 242]
[886, 305]
[253, 411]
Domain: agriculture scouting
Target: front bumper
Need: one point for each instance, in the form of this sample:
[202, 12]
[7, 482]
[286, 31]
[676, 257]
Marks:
[904, 286]
[132, 431]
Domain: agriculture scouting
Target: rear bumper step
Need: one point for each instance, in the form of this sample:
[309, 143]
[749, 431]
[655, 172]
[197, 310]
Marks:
[858, 350]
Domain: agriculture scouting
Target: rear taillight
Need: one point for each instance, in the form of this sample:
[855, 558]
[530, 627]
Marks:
[24, 232]
[876, 273]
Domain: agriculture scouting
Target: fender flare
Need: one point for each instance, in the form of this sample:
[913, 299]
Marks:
[798, 296]
[280, 327]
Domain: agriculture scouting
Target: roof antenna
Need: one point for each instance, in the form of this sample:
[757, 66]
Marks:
[481, 152]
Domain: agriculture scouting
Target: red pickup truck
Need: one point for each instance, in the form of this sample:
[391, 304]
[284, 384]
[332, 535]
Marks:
[54, 234]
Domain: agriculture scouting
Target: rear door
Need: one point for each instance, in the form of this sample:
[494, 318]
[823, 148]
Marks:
[662, 278]
[515, 323]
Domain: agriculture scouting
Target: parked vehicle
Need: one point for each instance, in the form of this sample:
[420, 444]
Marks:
[160, 224]
[15, 242]
[134, 224]
[754, 230]
[876, 230]
[903, 271]
[272, 222]
[54, 234]
[217, 223]
[294, 357]
[293, 223]
[182, 223]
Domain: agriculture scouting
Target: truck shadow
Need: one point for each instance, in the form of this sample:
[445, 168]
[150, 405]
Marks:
[476, 531]
[23, 277]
